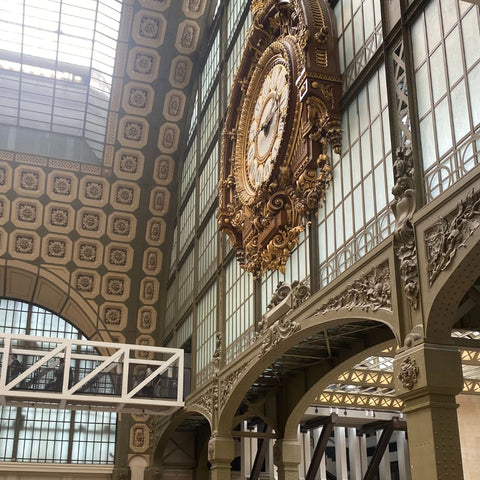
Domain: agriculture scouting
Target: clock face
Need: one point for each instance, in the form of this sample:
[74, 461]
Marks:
[264, 119]
[267, 125]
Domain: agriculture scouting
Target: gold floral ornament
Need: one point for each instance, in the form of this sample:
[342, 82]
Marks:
[283, 119]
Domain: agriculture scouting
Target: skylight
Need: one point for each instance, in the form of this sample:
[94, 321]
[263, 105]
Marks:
[56, 65]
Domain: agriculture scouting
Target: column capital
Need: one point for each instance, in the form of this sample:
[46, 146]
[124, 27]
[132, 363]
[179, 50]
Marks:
[427, 369]
[221, 449]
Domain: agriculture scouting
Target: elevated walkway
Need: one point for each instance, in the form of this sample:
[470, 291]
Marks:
[84, 375]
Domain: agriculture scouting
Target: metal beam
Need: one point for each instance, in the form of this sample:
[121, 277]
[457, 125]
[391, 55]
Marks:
[318, 422]
[395, 423]
[382, 444]
[261, 452]
[320, 448]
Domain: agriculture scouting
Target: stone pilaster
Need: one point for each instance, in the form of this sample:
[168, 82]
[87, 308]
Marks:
[121, 473]
[287, 457]
[221, 451]
[427, 378]
[153, 473]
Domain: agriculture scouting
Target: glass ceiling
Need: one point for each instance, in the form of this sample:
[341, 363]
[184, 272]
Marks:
[56, 66]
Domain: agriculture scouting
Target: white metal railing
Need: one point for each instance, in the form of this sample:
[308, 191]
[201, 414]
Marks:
[87, 375]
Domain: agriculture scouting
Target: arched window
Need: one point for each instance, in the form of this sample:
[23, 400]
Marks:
[47, 435]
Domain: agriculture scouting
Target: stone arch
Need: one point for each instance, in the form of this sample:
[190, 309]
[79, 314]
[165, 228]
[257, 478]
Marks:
[291, 425]
[171, 426]
[255, 366]
[199, 439]
[48, 289]
[444, 296]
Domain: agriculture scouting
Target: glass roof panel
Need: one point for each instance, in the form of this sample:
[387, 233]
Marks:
[56, 58]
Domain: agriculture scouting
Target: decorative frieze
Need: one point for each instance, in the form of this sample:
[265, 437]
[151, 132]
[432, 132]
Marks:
[451, 233]
[369, 292]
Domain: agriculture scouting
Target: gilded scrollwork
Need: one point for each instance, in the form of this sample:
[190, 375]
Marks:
[451, 233]
[370, 292]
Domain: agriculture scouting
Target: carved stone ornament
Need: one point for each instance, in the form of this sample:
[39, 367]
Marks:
[408, 373]
[404, 206]
[284, 112]
[228, 382]
[451, 233]
[271, 336]
[298, 291]
[370, 292]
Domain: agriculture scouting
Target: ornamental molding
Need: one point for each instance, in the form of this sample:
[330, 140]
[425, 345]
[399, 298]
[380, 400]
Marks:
[297, 292]
[229, 381]
[408, 373]
[273, 335]
[450, 233]
[404, 206]
[205, 403]
[370, 292]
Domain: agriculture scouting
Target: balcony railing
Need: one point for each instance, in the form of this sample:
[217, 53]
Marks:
[86, 375]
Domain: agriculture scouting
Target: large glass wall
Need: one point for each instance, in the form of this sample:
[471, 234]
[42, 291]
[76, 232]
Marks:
[51, 435]
[356, 215]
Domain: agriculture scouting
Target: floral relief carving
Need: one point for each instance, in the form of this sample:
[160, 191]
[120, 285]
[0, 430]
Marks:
[124, 195]
[128, 163]
[113, 316]
[205, 402]
[91, 221]
[229, 381]
[85, 283]
[121, 226]
[57, 248]
[133, 131]
[451, 233]
[94, 190]
[62, 185]
[138, 97]
[30, 180]
[2, 208]
[24, 244]
[116, 286]
[59, 217]
[271, 336]
[27, 212]
[148, 290]
[3, 176]
[408, 373]
[118, 256]
[370, 292]
[299, 291]
[155, 231]
[149, 27]
[188, 36]
[180, 71]
[174, 105]
[151, 262]
[88, 252]
[146, 319]
[143, 64]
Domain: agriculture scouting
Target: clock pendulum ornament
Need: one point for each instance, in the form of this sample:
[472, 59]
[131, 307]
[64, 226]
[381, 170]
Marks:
[283, 114]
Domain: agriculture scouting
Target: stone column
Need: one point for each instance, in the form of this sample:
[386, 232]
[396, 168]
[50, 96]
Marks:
[427, 377]
[221, 451]
[287, 456]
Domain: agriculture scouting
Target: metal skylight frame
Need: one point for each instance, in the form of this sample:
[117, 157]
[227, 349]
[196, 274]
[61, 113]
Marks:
[56, 67]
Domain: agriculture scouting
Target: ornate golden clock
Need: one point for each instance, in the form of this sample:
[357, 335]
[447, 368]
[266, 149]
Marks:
[283, 117]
